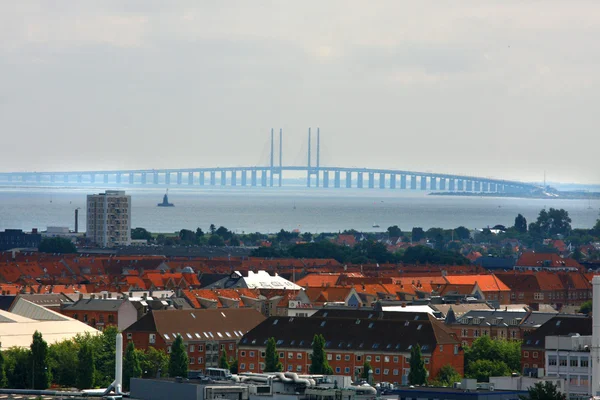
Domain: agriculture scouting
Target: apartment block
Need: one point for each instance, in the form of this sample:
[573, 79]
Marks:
[109, 218]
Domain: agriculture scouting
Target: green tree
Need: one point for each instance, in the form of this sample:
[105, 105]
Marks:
[272, 363]
[178, 360]
[86, 367]
[319, 364]
[39, 359]
[62, 359]
[552, 222]
[188, 237]
[153, 362]
[57, 245]
[216, 240]
[212, 228]
[497, 350]
[483, 369]
[365, 372]
[3, 381]
[448, 375]
[223, 363]
[394, 231]
[417, 234]
[586, 307]
[199, 233]
[418, 373]
[233, 367]
[18, 367]
[543, 391]
[104, 355]
[462, 233]
[520, 224]
[141, 234]
[131, 365]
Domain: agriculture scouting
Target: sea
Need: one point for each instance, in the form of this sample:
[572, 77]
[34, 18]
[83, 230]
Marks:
[269, 210]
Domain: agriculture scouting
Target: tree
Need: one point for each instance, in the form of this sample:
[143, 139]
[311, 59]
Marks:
[552, 222]
[17, 367]
[154, 363]
[216, 240]
[462, 233]
[212, 229]
[586, 307]
[448, 375]
[417, 234]
[199, 233]
[394, 231]
[233, 367]
[141, 234]
[39, 359]
[366, 368]
[223, 360]
[497, 350]
[224, 233]
[131, 365]
[178, 361]
[187, 236]
[2, 372]
[544, 391]
[272, 363]
[86, 370]
[483, 369]
[520, 224]
[62, 359]
[418, 373]
[57, 245]
[319, 364]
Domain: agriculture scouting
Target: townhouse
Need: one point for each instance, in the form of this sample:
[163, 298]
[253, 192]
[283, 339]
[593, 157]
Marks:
[353, 337]
[205, 332]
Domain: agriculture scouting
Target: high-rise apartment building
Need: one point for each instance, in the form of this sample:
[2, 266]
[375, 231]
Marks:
[109, 218]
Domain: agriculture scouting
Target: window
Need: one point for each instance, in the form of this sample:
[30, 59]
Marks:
[251, 367]
[230, 346]
[338, 357]
[251, 354]
[222, 347]
[200, 360]
[526, 354]
[192, 348]
[358, 357]
[377, 358]
[535, 354]
[262, 354]
[386, 371]
[525, 365]
[291, 355]
[347, 357]
[573, 362]
[290, 367]
[129, 336]
[441, 348]
[243, 353]
[169, 349]
[386, 359]
[85, 318]
[261, 366]
[201, 348]
[101, 318]
[192, 360]
[465, 332]
[584, 362]
[111, 319]
[338, 370]
[151, 338]
[369, 358]
[395, 372]
[347, 370]
[426, 360]
[455, 349]
[281, 355]
[298, 368]
[299, 356]
[562, 361]
[329, 357]
[551, 360]
[377, 371]
[395, 359]
[242, 366]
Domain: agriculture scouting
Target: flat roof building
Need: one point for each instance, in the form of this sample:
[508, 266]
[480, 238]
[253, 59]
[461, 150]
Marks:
[109, 218]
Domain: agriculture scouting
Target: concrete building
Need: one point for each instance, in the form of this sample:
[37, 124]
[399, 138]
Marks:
[109, 218]
[16, 239]
[568, 358]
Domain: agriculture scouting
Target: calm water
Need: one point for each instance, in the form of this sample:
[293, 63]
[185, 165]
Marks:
[269, 210]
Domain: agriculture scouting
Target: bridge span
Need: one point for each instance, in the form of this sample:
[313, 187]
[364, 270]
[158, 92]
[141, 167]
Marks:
[260, 176]
[272, 176]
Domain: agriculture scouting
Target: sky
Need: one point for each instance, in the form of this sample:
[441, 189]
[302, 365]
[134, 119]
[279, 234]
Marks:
[504, 89]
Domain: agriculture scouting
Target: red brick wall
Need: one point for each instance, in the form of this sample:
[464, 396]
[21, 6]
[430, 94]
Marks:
[529, 358]
[95, 319]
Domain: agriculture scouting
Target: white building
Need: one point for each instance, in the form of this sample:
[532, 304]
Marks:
[568, 358]
[109, 218]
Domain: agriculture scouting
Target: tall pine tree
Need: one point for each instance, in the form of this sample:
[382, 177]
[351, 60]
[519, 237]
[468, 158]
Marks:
[131, 365]
[39, 358]
[319, 364]
[272, 363]
[86, 370]
[418, 373]
[223, 360]
[178, 361]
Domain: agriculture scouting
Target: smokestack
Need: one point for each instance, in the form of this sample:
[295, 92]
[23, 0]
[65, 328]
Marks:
[308, 170]
[272, 142]
[76, 220]
[119, 363]
[318, 153]
[596, 336]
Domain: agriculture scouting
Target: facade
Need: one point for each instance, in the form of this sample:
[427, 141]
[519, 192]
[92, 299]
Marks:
[109, 218]
[100, 313]
[353, 337]
[568, 358]
[16, 238]
[206, 332]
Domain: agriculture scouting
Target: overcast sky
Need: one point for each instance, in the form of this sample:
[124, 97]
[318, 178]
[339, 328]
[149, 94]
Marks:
[505, 89]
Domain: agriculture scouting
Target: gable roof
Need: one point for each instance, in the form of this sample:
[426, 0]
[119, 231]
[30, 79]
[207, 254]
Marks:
[558, 325]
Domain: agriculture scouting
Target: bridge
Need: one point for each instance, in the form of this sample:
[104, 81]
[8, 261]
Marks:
[316, 175]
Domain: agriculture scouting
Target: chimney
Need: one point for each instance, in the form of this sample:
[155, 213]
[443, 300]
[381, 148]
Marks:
[109, 295]
[104, 296]
[76, 220]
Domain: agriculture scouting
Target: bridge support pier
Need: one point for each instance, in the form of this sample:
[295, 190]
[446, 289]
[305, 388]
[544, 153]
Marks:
[213, 179]
[118, 178]
[359, 180]
[493, 187]
[131, 178]
[477, 186]
[244, 177]
[223, 178]
[469, 186]
[143, 178]
[201, 178]
[234, 178]
[432, 183]
[413, 182]
[167, 178]
[423, 183]
[371, 180]
[105, 178]
[190, 178]
[442, 183]
[253, 177]
[393, 181]
[381, 181]
[461, 186]
[325, 179]
[452, 184]
[486, 187]
[337, 179]
[348, 179]
[179, 178]
[402, 181]
[263, 178]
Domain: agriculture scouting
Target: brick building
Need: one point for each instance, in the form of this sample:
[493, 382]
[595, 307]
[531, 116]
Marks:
[205, 332]
[102, 312]
[384, 339]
